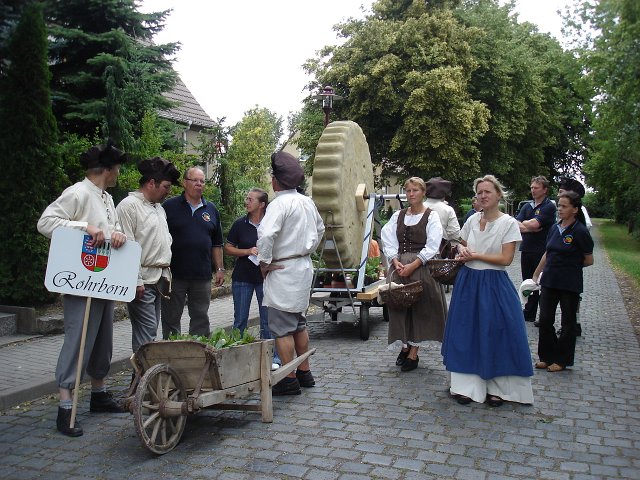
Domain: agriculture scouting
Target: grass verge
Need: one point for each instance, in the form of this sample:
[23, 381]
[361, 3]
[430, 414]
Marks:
[622, 248]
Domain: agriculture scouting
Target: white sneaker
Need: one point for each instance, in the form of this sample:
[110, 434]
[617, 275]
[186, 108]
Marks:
[274, 366]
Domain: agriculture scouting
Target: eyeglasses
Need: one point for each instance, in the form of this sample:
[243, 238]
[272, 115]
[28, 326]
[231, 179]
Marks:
[196, 181]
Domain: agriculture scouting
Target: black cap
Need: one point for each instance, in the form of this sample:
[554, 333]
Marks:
[159, 168]
[102, 156]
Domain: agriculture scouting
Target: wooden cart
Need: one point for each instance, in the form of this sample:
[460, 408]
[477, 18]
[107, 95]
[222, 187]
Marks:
[179, 378]
[333, 300]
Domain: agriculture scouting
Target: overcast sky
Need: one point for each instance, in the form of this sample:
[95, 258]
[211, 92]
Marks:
[241, 53]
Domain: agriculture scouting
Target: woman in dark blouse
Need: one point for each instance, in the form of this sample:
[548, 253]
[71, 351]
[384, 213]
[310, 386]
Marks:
[559, 274]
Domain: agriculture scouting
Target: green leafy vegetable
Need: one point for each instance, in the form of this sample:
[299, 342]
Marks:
[219, 338]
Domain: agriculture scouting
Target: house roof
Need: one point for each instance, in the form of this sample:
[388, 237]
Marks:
[188, 109]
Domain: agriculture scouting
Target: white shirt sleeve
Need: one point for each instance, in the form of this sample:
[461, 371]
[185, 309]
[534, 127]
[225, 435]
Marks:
[60, 213]
[433, 229]
[389, 238]
[587, 218]
[434, 237]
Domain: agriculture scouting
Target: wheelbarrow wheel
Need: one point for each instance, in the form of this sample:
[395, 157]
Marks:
[159, 432]
[364, 321]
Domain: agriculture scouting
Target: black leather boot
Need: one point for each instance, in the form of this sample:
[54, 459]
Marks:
[103, 402]
[64, 420]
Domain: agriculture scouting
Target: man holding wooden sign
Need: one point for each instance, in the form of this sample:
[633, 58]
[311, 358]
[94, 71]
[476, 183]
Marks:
[88, 207]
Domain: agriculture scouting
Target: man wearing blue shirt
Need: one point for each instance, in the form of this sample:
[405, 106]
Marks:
[196, 251]
[535, 219]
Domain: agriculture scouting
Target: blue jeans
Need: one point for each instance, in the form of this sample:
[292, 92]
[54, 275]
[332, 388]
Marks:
[242, 295]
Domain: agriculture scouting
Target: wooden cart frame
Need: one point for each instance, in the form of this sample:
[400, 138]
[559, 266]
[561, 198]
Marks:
[179, 378]
[333, 300]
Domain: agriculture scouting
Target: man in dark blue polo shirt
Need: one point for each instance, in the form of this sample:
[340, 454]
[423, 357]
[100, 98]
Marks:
[535, 219]
[196, 251]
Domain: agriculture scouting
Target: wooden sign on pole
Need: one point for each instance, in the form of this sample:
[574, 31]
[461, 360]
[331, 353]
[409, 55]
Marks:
[75, 267]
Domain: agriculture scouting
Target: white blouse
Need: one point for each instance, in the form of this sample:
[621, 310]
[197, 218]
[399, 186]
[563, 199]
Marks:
[503, 229]
[389, 237]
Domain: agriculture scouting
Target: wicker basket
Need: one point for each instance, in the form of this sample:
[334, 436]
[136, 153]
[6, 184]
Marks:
[402, 296]
[444, 271]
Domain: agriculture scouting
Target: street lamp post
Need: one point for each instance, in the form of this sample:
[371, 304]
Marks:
[327, 95]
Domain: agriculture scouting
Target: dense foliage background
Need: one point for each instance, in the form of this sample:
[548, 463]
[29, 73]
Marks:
[456, 88]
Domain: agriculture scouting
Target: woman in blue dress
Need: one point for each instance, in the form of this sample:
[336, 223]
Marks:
[569, 249]
[485, 346]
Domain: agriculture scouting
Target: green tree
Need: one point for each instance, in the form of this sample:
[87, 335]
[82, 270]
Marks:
[242, 163]
[532, 88]
[9, 16]
[305, 129]
[29, 161]
[608, 36]
[404, 73]
[457, 89]
[107, 72]
[255, 138]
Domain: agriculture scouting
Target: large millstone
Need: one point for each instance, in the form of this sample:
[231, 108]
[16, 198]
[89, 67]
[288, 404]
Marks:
[342, 164]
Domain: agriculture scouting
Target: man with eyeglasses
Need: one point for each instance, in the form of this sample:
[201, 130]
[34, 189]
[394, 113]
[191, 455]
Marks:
[196, 230]
[144, 220]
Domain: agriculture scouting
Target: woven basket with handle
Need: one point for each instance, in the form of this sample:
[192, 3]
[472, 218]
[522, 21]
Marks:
[444, 271]
[401, 296]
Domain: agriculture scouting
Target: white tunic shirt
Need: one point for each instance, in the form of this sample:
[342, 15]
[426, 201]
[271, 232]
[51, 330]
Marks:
[146, 223]
[80, 205]
[503, 229]
[389, 237]
[448, 218]
[289, 232]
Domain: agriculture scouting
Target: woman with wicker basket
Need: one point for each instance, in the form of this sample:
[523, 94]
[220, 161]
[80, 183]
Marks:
[410, 238]
[485, 344]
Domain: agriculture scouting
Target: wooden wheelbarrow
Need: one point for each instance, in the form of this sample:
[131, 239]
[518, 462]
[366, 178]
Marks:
[179, 378]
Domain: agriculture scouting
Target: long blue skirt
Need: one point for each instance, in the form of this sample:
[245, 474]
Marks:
[485, 332]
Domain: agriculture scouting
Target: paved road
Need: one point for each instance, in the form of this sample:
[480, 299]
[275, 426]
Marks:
[365, 419]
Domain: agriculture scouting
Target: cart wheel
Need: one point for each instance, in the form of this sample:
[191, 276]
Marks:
[158, 433]
[364, 321]
[385, 313]
[333, 312]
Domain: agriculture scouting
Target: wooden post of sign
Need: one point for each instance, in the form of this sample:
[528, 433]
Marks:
[80, 361]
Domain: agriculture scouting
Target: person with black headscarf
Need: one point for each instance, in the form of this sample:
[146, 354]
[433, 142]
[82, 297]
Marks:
[289, 233]
[145, 221]
[87, 206]
[572, 185]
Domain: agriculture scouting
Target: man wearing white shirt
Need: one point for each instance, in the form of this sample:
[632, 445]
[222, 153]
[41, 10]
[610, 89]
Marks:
[289, 232]
[87, 206]
[437, 190]
[144, 220]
